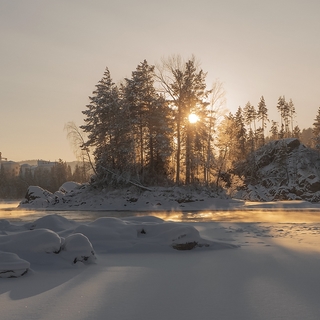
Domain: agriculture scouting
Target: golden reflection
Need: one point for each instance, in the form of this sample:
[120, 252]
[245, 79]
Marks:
[9, 210]
[281, 216]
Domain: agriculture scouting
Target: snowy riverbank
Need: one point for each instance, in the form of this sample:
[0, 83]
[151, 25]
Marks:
[72, 196]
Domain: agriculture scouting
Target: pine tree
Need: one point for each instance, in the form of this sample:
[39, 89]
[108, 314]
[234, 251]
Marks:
[281, 109]
[292, 112]
[296, 133]
[225, 143]
[286, 113]
[250, 114]
[262, 114]
[231, 142]
[274, 130]
[185, 88]
[241, 135]
[194, 95]
[316, 131]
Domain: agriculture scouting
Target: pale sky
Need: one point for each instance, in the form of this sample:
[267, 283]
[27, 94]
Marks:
[53, 53]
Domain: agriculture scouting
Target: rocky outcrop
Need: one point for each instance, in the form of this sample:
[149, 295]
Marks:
[281, 170]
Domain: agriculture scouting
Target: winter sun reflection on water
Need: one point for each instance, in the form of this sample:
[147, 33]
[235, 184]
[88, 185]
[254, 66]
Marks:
[9, 210]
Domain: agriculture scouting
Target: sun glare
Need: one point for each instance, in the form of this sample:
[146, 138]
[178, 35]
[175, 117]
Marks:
[193, 118]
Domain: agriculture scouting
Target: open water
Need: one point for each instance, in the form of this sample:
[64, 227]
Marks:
[9, 210]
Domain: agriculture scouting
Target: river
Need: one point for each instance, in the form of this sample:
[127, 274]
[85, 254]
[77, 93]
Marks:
[9, 210]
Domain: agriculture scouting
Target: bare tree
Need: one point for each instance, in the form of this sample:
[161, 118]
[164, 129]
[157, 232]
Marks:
[216, 109]
[77, 141]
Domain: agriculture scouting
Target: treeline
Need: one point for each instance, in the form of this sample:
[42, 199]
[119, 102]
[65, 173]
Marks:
[163, 126]
[15, 187]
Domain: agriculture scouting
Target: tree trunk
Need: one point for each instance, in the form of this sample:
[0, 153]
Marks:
[188, 155]
[178, 148]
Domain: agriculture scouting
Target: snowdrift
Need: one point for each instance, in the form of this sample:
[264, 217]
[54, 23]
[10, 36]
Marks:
[54, 240]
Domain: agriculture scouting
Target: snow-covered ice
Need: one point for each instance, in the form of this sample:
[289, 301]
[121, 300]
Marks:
[271, 272]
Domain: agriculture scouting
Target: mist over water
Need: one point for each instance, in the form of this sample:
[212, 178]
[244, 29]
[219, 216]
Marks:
[9, 210]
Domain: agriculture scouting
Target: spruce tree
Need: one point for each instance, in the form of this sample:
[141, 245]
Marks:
[108, 131]
[149, 120]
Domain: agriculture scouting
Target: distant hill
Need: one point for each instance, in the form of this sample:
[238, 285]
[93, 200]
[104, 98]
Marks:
[281, 170]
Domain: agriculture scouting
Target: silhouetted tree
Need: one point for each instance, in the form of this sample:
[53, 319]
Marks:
[262, 114]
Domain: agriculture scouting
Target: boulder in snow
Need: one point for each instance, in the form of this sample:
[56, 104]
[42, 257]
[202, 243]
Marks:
[69, 186]
[77, 248]
[11, 266]
[52, 222]
[34, 241]
[37, 196]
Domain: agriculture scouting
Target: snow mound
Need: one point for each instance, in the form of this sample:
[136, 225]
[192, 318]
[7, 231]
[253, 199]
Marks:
[77, 247]
[34, 241]
[53, 222]
[143, 234]
[53, 238]
[11, 266]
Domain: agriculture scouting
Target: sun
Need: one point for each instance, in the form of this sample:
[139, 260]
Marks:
[193, 118]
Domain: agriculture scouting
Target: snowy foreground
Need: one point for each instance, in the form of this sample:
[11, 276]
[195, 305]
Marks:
[144, 267]
[131, 268]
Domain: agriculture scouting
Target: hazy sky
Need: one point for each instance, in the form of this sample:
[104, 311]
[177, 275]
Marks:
[53, 53]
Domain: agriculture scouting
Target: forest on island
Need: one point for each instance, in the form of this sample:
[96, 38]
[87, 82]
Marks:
[164, 126]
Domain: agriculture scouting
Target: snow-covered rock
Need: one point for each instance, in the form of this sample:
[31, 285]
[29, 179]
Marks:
[143, 234]
[33, 241]
[86, 197]
[77, 248]
[11, 266]
[281, 170]
[69, 186]
[53, 240]
[53, 222]
[38, 196]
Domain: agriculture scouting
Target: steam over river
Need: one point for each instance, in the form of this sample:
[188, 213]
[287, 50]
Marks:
[9, 210]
